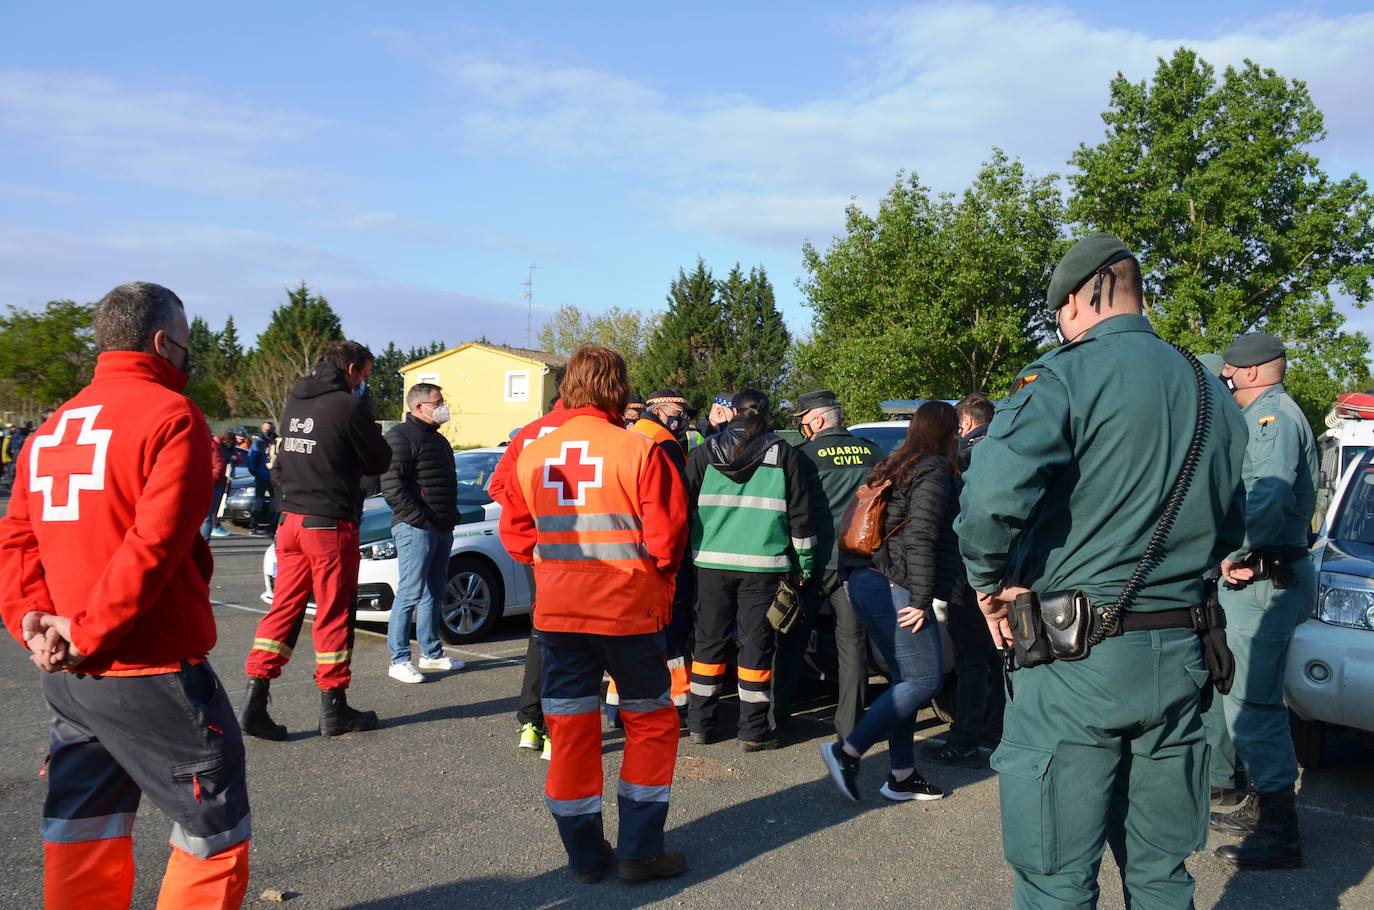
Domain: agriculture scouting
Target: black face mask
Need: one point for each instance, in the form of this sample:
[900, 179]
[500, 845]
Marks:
[1230, 384]
[674, 424]
[185, 356]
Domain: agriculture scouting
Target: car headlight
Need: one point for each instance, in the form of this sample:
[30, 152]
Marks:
[1345, 600]
[379, 549]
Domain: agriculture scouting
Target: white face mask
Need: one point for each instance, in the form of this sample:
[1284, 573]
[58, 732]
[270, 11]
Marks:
[441, 414]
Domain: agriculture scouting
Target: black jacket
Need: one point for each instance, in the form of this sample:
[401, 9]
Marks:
[923, 555]
[967, 442]
[328, 442]
[420, 486]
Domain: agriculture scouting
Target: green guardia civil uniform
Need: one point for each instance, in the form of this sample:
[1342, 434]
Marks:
[1279, 473]
[1065, 493]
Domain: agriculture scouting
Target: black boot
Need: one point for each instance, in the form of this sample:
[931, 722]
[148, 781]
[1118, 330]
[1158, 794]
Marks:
[1275, 843]
[1241, 821]
[337, 718]
[253, 717]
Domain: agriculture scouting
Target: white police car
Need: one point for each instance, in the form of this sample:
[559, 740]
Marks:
[484, 583]
[1330, 673]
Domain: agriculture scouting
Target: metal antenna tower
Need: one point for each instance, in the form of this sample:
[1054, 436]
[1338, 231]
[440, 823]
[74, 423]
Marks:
[528, 285]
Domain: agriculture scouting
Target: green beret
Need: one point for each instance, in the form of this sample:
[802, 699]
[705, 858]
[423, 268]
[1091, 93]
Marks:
[1213, 363]
[1079, 264]
[812, 400]
[1254, 349]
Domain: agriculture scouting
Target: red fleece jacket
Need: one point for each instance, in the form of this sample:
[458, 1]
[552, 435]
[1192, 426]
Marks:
[103, 524]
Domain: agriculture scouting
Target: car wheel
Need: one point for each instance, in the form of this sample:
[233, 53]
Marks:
[944, 701]
[1309, 740]
[473, 601]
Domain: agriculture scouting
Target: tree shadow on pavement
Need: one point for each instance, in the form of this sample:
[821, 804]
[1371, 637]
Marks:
[454, 712]
[716, 844]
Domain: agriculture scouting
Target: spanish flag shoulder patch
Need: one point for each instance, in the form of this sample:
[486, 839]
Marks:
[1265, 421]
[1024, 381]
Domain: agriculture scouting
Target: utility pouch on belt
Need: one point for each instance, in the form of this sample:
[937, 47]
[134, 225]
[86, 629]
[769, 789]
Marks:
[1056, 626]
[785, 609]
[1278, 568]
[1028, 632]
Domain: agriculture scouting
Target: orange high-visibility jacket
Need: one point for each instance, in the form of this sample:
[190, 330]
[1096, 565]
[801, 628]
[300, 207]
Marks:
[602, 515]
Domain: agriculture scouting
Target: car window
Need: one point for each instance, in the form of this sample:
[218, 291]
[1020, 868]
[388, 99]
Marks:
[474, 476]
[886, 438]
[1356, 519]
[1348, 456]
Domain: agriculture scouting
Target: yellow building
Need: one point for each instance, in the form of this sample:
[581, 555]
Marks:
[491, 389]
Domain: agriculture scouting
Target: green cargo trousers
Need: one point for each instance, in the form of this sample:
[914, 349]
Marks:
[1259, 628]
[1224, 770]
[1106, 750]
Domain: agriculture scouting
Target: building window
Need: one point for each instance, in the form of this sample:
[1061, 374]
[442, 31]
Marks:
[431, 378]
[517, 385]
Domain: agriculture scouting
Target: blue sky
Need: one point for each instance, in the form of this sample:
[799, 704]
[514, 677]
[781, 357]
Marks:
[412, 160]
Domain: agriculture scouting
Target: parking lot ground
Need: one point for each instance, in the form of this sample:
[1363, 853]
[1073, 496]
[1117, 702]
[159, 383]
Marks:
[437, 808]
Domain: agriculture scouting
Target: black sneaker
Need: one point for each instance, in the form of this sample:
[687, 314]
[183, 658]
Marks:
[950, 754]
[914, 787]
[844, 769]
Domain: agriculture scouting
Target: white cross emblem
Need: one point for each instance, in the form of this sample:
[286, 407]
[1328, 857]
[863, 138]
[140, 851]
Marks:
[573, 477]
[71, 465]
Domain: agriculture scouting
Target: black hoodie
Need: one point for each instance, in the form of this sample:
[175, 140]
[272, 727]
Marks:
[328, 442]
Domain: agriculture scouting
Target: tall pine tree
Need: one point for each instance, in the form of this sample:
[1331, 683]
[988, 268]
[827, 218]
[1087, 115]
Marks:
[689, 338]
[756, 341]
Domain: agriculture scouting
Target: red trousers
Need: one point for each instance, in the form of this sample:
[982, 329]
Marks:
[319, 559]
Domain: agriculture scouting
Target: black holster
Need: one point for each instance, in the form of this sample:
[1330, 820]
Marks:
[1211, 628]
[1057, 626]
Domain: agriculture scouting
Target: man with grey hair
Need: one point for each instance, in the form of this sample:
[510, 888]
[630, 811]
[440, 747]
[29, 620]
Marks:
[422, 490]
[105, 578]
[837, 462]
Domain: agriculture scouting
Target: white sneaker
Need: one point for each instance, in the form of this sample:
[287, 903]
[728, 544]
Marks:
[405, 672]
[441, 663]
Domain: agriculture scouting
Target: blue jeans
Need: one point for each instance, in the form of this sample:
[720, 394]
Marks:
[422, 561]
[915, 663]
[212, 520]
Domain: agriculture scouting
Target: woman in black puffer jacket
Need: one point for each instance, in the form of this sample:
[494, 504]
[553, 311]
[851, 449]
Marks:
[917, 565]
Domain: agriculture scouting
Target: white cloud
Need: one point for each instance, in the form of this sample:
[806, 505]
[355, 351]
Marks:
[218, 271]
[161, 138]
[943, 83]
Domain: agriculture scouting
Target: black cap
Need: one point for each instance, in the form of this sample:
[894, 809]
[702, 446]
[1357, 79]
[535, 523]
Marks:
[636, 400]
[724, 399]
[1254, 349]
[666, 396]
[823, 398]
[1089, 255]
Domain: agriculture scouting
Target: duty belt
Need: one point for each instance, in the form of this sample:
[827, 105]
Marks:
[1180, 618]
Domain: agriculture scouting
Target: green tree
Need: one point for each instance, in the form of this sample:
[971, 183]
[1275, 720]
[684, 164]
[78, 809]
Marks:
[756, 341]
[625, 331]
[202, 349]
[386, 386]
[1215, 187]
[934, 297]
[46, 357]
[295, 337]
[689, 337]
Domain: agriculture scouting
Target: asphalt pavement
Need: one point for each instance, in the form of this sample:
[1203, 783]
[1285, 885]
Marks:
[437, 808]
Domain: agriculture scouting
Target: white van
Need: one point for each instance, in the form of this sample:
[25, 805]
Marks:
[1345, 440]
